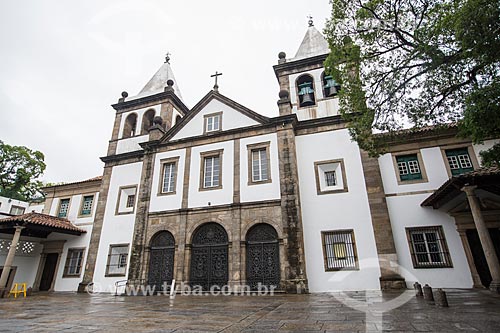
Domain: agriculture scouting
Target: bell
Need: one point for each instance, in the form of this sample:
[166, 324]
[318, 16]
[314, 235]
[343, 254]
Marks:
[331, 91]
[307, 99]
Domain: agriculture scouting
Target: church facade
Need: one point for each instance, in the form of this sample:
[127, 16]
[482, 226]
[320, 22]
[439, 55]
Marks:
[218, 194]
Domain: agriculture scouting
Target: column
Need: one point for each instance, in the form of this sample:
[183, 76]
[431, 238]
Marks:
[10, 258]
[484, 237]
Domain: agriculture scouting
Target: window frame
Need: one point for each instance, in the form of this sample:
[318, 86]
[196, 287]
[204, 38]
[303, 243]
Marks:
[110, 250]
[59, 207]
[163, 162]
[23, 209]
[470, 151]
[354, 250]
[441, 240]
[421, 165]
[250, 149]
[121, 189]
[342, 174]
[205, 122]
[82, 202]
[66, 273]
[203, 156]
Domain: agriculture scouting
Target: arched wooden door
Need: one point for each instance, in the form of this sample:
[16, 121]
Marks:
[263, 259]
[209, 256]
[161, 261]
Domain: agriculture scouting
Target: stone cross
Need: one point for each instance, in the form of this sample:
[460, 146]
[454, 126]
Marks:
[217, 74]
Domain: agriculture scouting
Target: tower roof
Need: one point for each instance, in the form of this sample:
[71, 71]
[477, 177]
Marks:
[313, 44]
[158, 82]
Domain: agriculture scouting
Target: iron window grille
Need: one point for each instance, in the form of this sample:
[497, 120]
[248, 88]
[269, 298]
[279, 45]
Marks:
[330, 178]
[459, 161]
[428, 247]
[408, 167]
[117, 260]
[74, 262]
[130, 201]
[339, 250]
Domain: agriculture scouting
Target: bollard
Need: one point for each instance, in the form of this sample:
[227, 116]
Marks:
[441, 299]
[428, 293]
[418, 289]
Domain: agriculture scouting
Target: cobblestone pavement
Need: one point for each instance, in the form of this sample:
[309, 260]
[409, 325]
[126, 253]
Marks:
[470, 310]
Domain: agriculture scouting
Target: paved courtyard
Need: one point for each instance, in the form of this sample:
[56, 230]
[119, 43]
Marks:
[470, 311]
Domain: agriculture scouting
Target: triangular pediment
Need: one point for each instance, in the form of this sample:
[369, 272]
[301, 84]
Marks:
[232, 116]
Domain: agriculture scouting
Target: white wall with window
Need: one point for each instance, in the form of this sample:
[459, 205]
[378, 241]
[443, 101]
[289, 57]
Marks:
[78, 208]
[251, 190]
[338, 210]
[9, 206]
[218, 191]
[407, 215]
[230, 118]
[116, 228]
[162, 198]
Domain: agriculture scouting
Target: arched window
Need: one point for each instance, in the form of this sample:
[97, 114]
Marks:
[130, 126]
[305, 90]
[330, 87]
[147, 121]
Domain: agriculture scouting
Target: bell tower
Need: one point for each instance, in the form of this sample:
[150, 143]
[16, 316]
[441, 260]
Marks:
[305, 89]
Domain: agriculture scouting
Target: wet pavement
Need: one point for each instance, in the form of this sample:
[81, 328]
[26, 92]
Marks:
[469, 311]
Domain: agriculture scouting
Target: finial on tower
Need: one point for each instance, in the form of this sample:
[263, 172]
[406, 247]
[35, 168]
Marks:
[167, 58]
[311, 22]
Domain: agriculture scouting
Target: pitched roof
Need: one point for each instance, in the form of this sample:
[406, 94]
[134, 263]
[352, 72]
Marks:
[158, 82]
[313, 44]
[93, 179]
[486, 178]
[43, 220]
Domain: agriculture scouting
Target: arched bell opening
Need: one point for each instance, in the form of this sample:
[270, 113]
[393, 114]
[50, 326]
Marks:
[130, 127]
[262, 256]
[147, 121]
[305, 90]
[330, 87]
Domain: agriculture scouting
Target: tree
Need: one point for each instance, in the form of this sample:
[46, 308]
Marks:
[412, 63]
[19, 169]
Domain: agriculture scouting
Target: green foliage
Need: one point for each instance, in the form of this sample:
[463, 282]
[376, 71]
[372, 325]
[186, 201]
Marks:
[416, 63]
[19, 169]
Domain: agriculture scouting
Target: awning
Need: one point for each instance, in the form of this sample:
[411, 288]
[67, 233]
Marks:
[486, 178]
[39, 225]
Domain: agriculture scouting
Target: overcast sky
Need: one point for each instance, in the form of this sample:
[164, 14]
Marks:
[63, 63]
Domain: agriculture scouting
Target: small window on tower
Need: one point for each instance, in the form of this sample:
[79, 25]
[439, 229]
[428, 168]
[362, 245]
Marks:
[126, 200]
[330, 87]
[305, 86]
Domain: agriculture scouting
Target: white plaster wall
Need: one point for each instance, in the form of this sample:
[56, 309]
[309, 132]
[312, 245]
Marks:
[130, 144]
[74, 208]
[405, 211]
[324, 106]
[221, 196]
[265, 191]
[5, 205]
[435, 167]
[140, 112]
[484, 146]
[36, 208]
[170, 201]
[336, 211]
[231, 118]
[116, 229]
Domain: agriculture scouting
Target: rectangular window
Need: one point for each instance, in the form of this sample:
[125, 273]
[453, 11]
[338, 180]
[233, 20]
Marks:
[339, 250]
[459, 161]
[213, 122]
[409, 167]
[87, 203]
[117, 260]
[259, 165]
[17, 210]
[74, 262]
[126, 200]
[330, 176]
[63, 208]
[130, 201]
[169, 175]
[212, 171]
[428, 247]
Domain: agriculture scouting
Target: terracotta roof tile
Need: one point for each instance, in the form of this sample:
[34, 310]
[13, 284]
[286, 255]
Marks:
[44, 220]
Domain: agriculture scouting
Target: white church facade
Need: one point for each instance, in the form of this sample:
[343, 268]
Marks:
[218, 194]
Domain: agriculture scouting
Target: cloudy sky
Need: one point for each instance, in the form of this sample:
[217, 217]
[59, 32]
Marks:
[63, 63]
